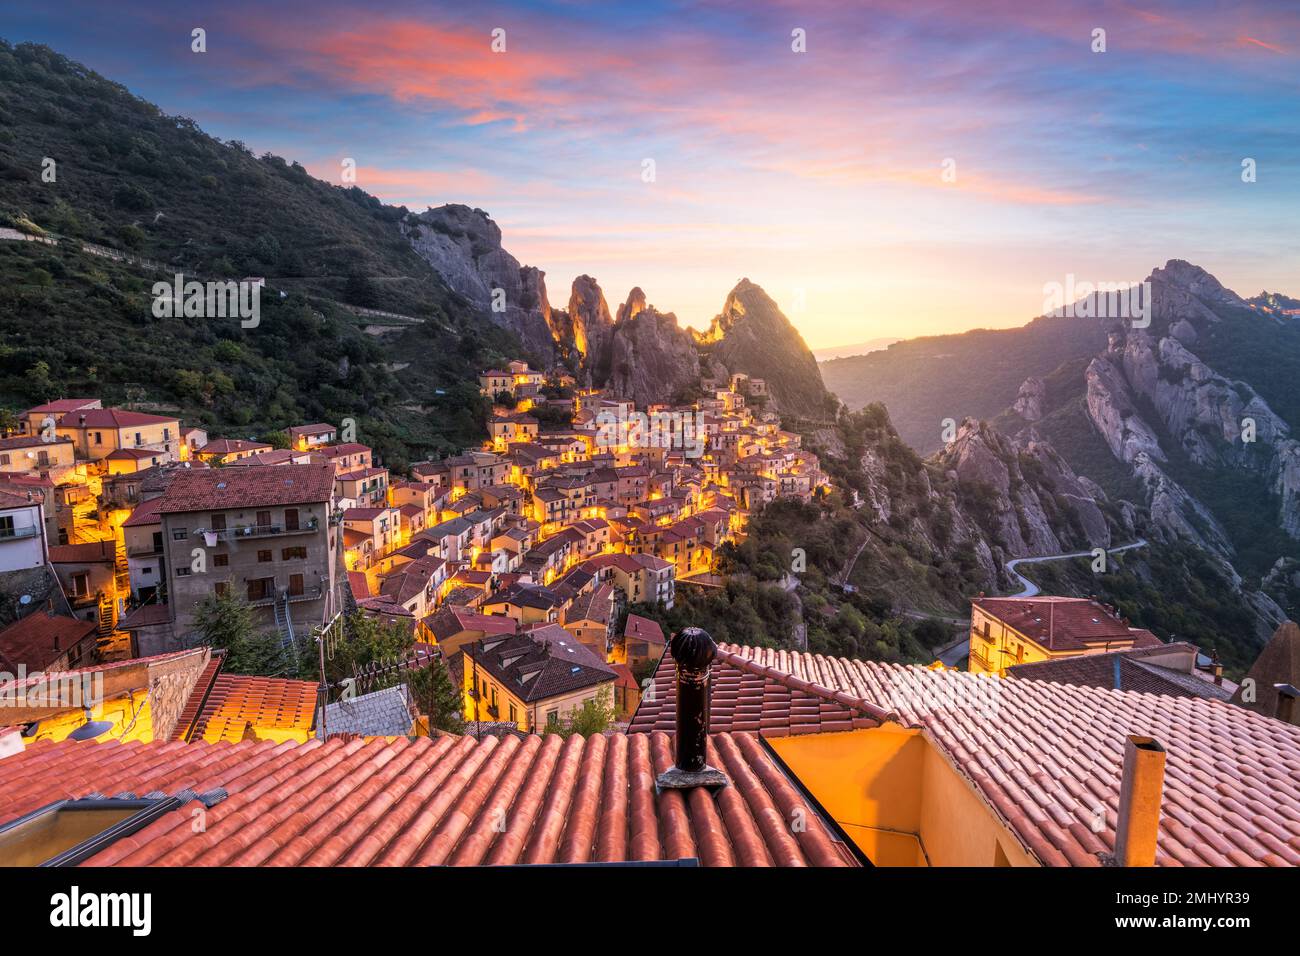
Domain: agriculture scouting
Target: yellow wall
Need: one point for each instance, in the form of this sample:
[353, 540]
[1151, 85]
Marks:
[899, 799]
[129, 714]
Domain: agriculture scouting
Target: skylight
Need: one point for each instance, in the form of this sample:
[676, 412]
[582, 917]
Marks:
[69, 832]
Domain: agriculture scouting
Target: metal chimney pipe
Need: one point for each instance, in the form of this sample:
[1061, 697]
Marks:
[693, 651]
[1140, 790]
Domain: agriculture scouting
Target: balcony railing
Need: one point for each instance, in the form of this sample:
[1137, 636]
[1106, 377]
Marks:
[259, 530]
[308, 594]
[13, 534]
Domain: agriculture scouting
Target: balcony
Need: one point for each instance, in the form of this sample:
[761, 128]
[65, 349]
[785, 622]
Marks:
[308, 594]
[260, 531]
[13, 534]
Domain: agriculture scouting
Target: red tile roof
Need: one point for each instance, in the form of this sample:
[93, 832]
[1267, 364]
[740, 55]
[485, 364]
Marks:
[145, 513]
[1064, 623]
[426, 801]
[39, 639]
[112, 418]
[640, 628]
[94, 552]
[222, 488]
[233, 704]
[226, 446]
[1047, 757]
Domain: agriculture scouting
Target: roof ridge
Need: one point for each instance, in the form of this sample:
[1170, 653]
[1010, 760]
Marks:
[798, 683]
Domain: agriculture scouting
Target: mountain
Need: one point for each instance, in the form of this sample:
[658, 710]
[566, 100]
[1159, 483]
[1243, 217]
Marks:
[642, 353]
[139, 196]
[753, 336]
[848, 351]
[464, 246]
[1185, 426]
[925, 381]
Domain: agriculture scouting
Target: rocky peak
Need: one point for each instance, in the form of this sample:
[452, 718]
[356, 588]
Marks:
[590, 325]
[752, 335]
[633, 307]
[464, 246]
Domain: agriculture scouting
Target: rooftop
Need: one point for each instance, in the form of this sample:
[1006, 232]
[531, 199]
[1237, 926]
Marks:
[435, 801]
[222, 489]
[1046, 757]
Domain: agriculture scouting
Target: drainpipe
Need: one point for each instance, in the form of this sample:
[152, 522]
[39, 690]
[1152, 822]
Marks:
[1139, 802]
[693, 651]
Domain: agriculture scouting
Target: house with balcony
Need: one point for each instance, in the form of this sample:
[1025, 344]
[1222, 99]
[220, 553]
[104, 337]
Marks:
[264, 534]
[23, 544]
[142, 536]
[349, 456]
[363, 488]
[35, 455]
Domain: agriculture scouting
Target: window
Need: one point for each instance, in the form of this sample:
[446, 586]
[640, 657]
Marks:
[4, 459]
[260, 589]
[552, 718]
[264, 556]
[157, 541]
[138, 440]
[220, 560]
[81, 584]
[183, 572]
[180, 534]
[217, 522]
[7, 526]
[43, 458]
[289, 554]
[514, 717]
[99, 438]
[72, 831]
[220, 588]
[263, 520]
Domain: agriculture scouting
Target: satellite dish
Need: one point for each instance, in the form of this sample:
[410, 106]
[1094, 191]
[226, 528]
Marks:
[91, 730]
[25, 599]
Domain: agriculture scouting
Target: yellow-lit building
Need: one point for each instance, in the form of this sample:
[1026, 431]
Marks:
[1006, 631]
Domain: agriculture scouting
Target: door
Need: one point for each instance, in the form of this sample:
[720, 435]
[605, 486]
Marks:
[295, 585]
[290, 519]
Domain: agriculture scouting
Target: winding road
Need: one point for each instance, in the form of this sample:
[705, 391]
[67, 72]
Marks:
[954, 654]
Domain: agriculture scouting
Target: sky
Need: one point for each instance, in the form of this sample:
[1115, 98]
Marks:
[893, 168]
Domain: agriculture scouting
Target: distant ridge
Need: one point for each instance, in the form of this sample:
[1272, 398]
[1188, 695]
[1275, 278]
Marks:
[857, 348]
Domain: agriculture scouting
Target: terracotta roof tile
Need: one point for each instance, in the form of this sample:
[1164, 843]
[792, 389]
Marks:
[1048, 756]
[446, 800]
[218, 489]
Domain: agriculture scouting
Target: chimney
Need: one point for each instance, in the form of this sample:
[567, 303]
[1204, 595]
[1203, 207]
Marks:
[1286, 695]
[693, 651]
[1139, 802]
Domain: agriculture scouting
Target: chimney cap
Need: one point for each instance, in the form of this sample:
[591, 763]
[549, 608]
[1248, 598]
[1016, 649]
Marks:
[693, 648]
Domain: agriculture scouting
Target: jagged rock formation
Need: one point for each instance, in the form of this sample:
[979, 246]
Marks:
[643, 354]
[651, 357]
[1166, 415]
[751, 335]
[464, 246]
[1034, 502]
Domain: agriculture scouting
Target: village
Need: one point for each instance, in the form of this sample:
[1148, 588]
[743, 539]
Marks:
[522, 556]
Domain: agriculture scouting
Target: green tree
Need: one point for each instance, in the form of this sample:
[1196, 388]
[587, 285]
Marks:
[595, 716]
[225, 622]
[275, 439]
[437, 695]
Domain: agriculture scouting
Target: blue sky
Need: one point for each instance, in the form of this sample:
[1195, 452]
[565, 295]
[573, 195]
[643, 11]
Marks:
[817, 174]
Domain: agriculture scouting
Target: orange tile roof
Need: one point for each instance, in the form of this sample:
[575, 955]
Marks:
[224, 488]
[1047, 757]
[226, 706]
[428, 801]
